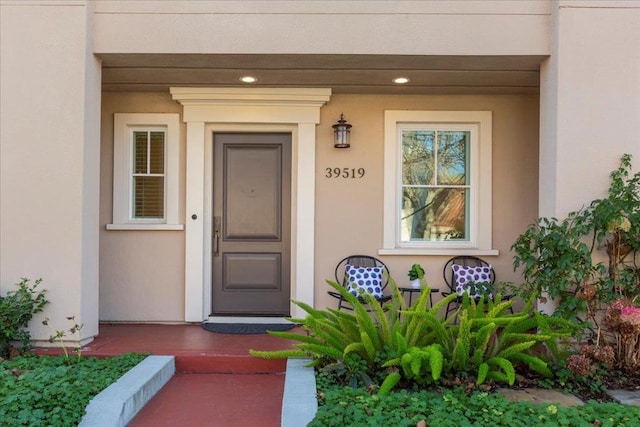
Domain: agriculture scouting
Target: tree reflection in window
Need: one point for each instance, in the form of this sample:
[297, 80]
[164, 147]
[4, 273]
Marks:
[435, 185]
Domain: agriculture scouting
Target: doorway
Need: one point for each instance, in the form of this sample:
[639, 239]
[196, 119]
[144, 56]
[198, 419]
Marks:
[295, 111]
[251, 258]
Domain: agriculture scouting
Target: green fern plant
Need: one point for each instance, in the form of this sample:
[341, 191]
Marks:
[389, 383]
[416, 343]
[478, 346]
[485, 342]
[420, 364]
[371, 332]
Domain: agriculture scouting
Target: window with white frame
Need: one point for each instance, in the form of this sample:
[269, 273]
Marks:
[145, 172]
[437, 182]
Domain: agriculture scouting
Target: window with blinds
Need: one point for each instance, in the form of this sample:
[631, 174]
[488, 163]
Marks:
[146, 159]
[148, 174]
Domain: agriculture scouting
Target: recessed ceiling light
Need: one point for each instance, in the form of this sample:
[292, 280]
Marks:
[401, 80]
[248, 79]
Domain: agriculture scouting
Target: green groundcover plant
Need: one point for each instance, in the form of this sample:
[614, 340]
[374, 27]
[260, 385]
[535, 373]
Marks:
[48, 391]
[346, 406]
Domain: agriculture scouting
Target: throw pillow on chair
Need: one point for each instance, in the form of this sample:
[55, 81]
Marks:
[364, 280]
[475, 281]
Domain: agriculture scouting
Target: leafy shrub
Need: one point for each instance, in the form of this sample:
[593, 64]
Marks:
[16, 311]
[556, 261]
[562, 258]
[47, 391]
[557, 255]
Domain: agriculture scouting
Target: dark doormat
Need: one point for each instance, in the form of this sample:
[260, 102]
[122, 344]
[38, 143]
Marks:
[246, 328]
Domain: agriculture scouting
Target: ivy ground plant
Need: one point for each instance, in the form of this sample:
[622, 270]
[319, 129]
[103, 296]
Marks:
[48, 391]
[341, 406]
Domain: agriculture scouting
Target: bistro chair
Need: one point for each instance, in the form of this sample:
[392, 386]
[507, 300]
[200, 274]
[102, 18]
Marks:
[361, 274]
[470, 275]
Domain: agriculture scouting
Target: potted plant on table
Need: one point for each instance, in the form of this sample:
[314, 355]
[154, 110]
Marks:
[416, 275]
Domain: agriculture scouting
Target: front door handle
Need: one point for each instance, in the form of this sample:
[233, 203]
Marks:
[216, 239]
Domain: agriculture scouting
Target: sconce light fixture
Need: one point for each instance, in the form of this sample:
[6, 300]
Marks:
[341, 131]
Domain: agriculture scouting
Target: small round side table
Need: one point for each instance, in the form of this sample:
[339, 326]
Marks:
[412, 290]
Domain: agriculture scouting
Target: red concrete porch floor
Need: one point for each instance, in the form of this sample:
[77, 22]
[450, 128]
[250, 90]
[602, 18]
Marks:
[217, 383]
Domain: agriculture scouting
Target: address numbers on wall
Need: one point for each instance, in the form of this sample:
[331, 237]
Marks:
[345, 173]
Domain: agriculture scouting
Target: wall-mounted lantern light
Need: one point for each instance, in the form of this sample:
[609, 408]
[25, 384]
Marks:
[341, 132]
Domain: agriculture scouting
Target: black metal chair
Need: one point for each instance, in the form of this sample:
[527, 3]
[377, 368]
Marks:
[470, 274]
[361, 274]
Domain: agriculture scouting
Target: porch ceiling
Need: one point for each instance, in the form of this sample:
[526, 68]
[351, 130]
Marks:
[356, 74]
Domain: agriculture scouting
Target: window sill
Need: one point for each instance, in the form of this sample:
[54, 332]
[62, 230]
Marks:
[150, 227]
[438, 251]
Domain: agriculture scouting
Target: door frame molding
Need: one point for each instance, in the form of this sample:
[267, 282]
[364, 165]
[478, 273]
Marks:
[205, 110]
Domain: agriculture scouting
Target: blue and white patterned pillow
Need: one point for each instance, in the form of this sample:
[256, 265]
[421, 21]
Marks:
[476, 281]
[364, 279]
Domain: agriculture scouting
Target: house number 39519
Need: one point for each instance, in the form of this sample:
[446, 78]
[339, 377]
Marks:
[344, 173]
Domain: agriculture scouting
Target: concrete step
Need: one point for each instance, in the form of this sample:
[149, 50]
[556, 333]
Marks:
[228, 364]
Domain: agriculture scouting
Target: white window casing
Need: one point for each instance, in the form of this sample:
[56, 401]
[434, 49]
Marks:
[123, 128]
[479, 124]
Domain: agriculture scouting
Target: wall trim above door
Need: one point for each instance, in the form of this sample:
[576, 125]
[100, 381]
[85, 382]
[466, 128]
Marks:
[296, 107]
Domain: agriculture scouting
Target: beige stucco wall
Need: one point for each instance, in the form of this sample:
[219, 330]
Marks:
[590, 101]
[325, 27]
[49, 154]
[142, 272]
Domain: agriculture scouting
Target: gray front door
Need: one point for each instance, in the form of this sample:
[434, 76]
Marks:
[252, 210]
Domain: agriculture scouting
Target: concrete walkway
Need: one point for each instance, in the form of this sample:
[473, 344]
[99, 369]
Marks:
[192, 399]
[216, 381]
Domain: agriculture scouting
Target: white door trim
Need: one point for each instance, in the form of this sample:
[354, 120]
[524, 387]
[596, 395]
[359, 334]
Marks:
[206, 110]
